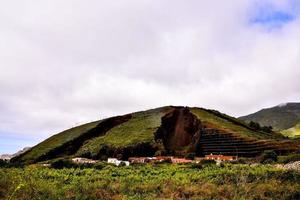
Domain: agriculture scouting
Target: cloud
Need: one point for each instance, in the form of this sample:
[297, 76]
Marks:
[68, 62]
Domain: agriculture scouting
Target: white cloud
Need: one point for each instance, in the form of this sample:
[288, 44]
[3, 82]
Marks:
[68, 62]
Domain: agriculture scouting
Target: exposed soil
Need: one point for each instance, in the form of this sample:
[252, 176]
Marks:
[180, 130]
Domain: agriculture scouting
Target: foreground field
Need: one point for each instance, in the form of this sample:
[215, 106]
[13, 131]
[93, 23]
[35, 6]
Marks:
[162, 181]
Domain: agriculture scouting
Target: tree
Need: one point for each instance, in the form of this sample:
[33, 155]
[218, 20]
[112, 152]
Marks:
[268, 156]
[254, 125]
[190, 156]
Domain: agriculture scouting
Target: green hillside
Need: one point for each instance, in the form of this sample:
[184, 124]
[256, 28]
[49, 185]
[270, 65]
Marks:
[280, 117]
[139, 129]
[56, 141]
[167, 130]
[292, 132]
[220, 121]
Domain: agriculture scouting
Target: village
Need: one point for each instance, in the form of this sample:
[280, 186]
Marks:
[158, 159]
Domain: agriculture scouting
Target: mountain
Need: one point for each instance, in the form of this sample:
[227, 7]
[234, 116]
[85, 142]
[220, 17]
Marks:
[9, 156]
[5, 157]
[281, 117]
[170, 130]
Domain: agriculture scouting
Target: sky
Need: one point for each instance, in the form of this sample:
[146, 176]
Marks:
[63, 63]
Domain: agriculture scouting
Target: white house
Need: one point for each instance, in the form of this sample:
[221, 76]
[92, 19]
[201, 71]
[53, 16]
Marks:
[117, 162]
[83, 160]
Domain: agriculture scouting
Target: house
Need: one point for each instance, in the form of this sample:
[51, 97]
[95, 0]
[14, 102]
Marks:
[139, 159]
[149, 159]
[180, 160]
[117, 162]
[220, 157]
[83, 160]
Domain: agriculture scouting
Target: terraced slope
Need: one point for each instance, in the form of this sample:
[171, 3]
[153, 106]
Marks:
[162, 131]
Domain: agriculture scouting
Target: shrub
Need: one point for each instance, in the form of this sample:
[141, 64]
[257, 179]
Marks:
[3, 163]
[196, 166]
[268, 155]
[207, 162]
[190, 156]
[62, 163]
[268, 161]
[289, 158]
[239, 161]
[99, 165]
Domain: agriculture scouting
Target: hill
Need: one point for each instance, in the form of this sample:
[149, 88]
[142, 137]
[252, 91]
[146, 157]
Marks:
[281, 117]
[167, 130]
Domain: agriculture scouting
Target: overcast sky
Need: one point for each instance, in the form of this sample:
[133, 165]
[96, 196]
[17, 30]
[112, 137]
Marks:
[66, 62]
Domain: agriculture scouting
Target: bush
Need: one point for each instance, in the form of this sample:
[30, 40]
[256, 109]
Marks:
[196, 166]
[62, 163]
[240, 161]
[190, 156]
[289, 158]
[3, 163]
[208, 162]
[99, 165]
[268, 156]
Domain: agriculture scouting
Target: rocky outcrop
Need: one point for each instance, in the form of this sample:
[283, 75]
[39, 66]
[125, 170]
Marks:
[180, 131]
[292, 166]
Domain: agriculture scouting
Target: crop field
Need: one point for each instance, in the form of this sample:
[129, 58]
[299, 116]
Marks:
[150, 181]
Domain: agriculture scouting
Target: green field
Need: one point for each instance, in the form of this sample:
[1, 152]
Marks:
[160, 181]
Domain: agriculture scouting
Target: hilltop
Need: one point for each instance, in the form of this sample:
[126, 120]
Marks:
[170, 130]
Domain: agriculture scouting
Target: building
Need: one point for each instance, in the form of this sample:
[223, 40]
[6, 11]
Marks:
[180, 160]
[149, 159]
[117, 162]
[220, 157]
[83, 160]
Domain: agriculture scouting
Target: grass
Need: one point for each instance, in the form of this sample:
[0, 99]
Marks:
[57, 140]
[226, 124]
[140, 128]
[161, 181]
[292, 132]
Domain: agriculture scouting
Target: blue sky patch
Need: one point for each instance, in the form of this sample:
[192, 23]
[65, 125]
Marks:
[11, 143]
[271, 18]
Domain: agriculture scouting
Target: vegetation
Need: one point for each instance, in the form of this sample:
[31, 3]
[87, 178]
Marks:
[56, 141]
[280, 117]
[269, 156]
[258, 127]
[161, 181]
[289, 158]
[139, 129]
[136, 135]
[292, 132]
[228, 124]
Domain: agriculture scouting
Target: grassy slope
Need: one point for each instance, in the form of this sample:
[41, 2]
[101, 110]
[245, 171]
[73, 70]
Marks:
[227, 124]
[140, 128]
[292, 132]
[57, 140]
